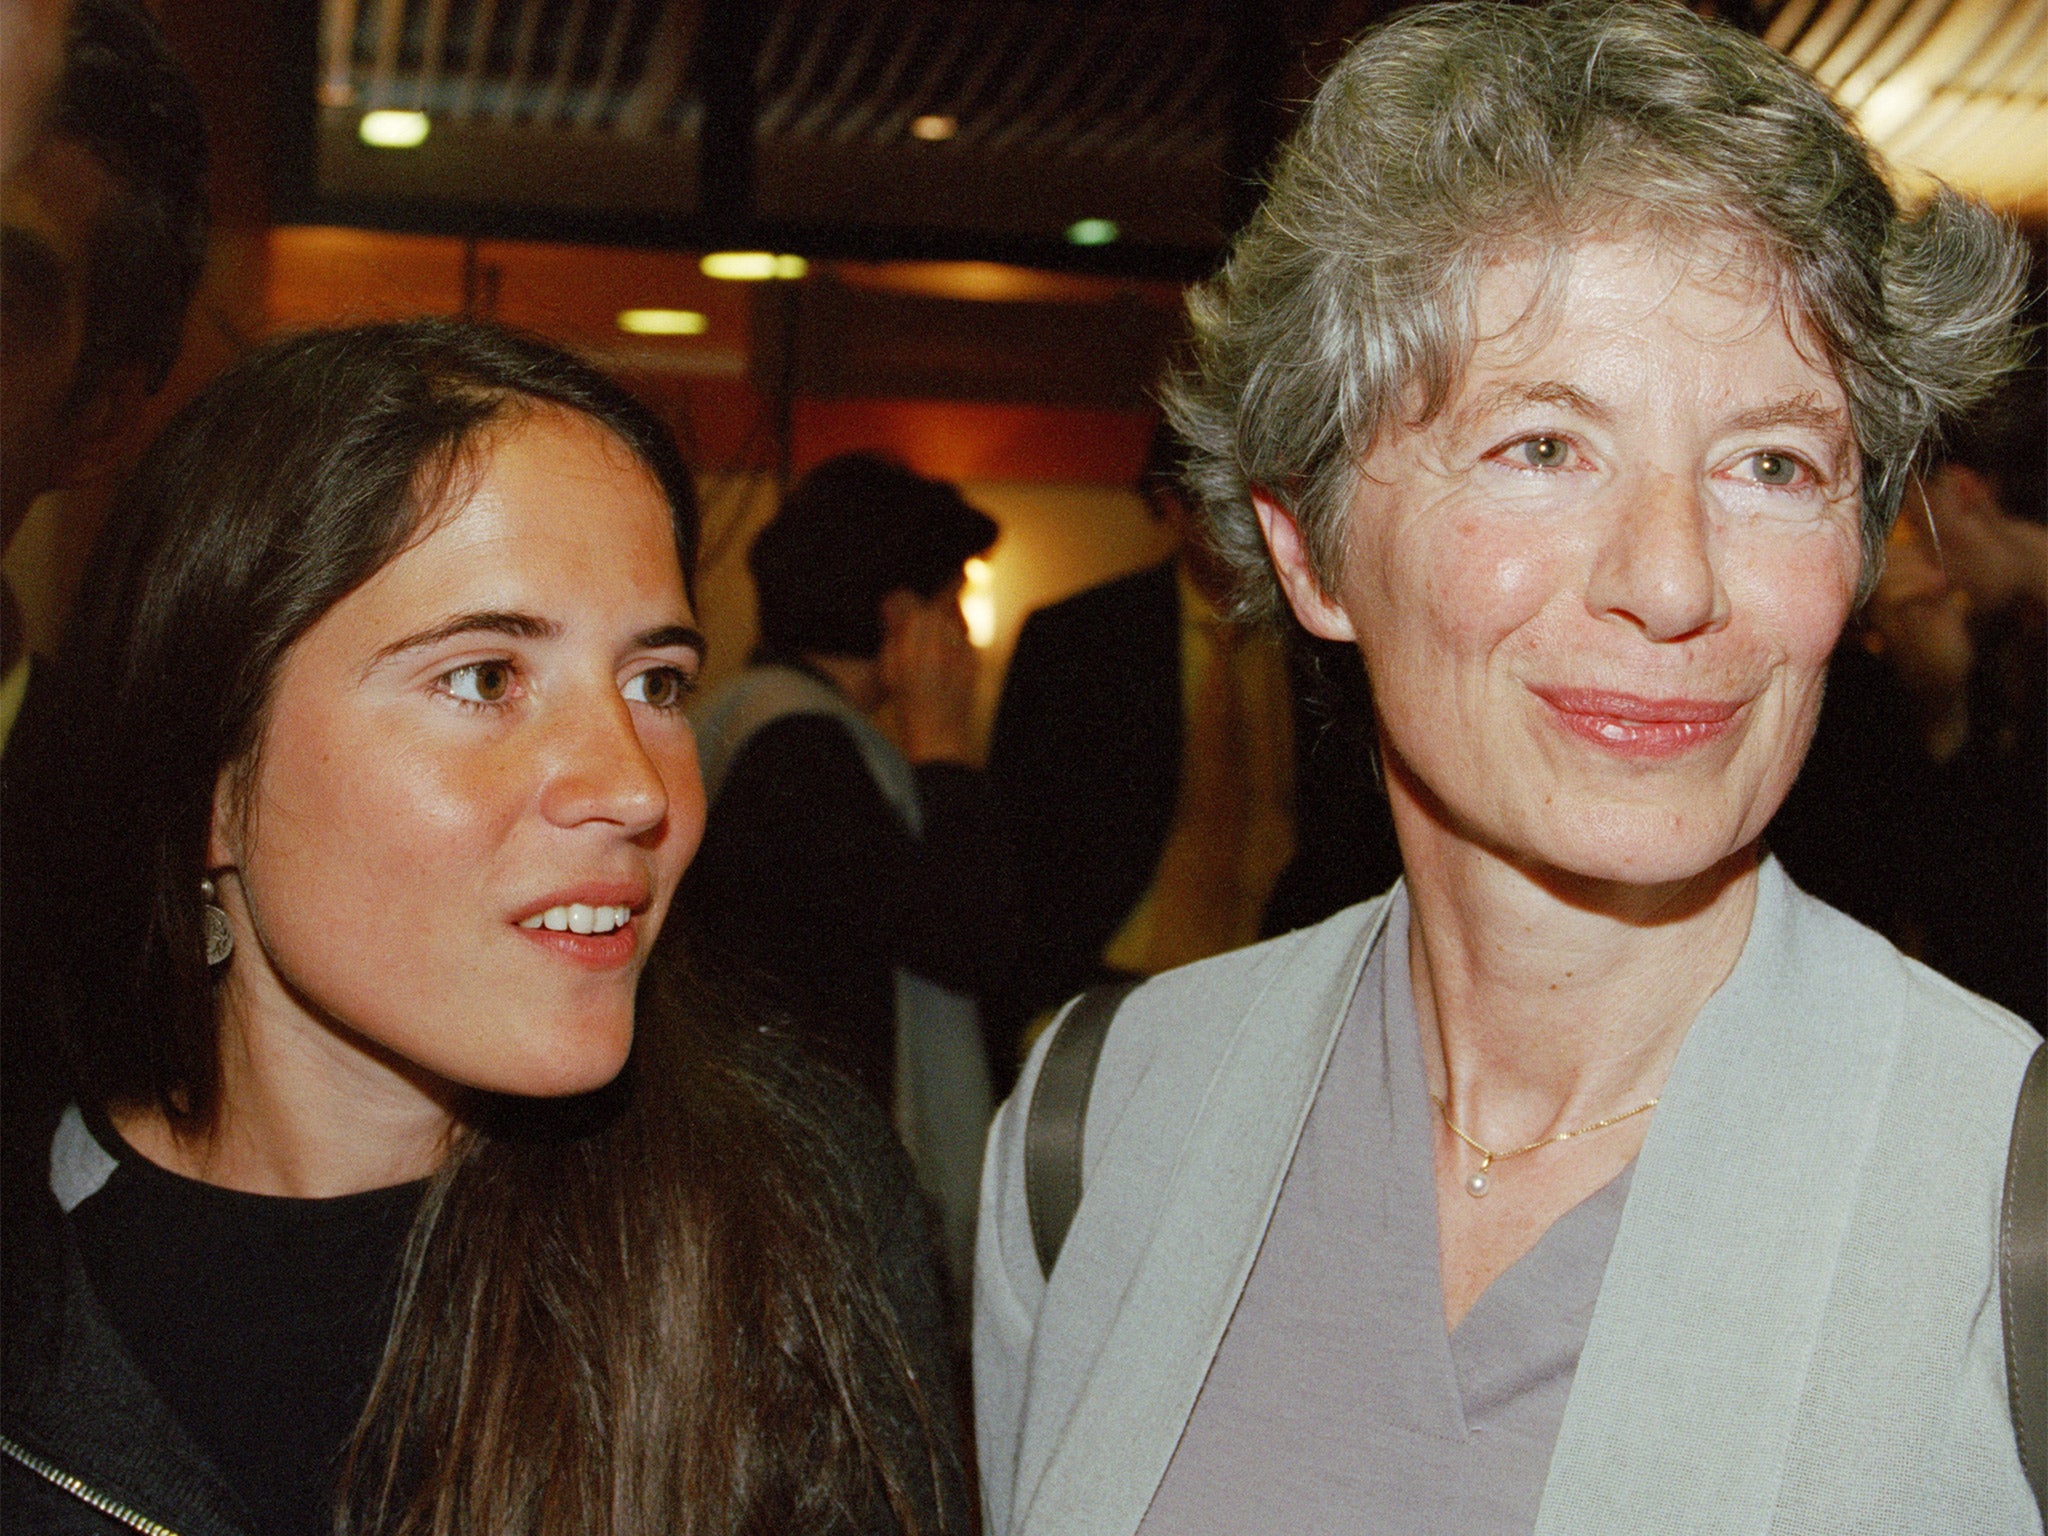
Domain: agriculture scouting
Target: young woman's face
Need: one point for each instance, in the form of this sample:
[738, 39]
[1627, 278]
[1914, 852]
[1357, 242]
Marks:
[476, 788]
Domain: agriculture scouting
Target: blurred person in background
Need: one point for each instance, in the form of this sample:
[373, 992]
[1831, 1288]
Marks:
[1344, 848]
[864, 878]
[103, 228]
[1596, 1179]
[102, 240]
[1923, 807]
[31, 57]
[394, 1199]
[1143, 759]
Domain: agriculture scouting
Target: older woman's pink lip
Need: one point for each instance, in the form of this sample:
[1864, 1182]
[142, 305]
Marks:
[1629, 726]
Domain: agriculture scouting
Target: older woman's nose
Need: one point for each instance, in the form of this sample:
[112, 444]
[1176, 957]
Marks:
[600, 770]
[1655, 567]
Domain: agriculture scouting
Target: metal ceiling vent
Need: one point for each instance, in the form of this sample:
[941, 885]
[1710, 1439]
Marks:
[1955, 89]
[1012, 118]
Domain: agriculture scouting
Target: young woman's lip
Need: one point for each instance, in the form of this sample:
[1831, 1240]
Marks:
[612, 893]
[592, 951]
[1634, 710]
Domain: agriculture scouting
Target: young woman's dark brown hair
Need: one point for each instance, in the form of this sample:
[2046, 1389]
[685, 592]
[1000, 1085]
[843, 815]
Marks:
[393, 1195]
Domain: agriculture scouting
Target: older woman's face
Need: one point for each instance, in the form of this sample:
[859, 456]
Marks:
[477, 789]
[1597, 593]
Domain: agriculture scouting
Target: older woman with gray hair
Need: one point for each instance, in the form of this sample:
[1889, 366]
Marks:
[1594, 1179]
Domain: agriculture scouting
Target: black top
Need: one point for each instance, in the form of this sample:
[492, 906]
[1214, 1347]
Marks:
[1085, 760]
[808, 875]
[259, 1319]
[81, 1410]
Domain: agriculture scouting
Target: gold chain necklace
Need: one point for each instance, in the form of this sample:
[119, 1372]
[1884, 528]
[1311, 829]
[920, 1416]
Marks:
[1478, 1184]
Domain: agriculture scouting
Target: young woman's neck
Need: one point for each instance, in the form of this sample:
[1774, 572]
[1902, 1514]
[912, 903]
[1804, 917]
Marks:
[303, 1110]
[1544, 1005]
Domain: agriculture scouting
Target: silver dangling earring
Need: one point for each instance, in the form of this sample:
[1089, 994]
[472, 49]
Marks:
[220, 938]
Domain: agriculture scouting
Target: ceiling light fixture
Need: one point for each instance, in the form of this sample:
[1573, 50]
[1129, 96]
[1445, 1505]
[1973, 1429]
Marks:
[1092, 232]
[752, 266]
[393, 130]
[662, 322]
[933, 128]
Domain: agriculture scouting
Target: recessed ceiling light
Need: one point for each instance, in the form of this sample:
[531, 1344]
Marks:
[662, 322]
[933, 128]
[1092, 231]
[393, 130]
[752, 266]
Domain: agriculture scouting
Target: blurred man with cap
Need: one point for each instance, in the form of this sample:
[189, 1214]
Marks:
[863, 875]
[1144, 760]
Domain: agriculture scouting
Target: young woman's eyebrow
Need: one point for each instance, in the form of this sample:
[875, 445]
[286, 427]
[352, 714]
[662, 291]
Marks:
[516, 626]
[671, 635]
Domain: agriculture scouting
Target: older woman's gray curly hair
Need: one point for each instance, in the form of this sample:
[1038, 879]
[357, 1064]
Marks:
[1458, 127]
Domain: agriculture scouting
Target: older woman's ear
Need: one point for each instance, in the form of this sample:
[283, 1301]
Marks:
[1319, 613]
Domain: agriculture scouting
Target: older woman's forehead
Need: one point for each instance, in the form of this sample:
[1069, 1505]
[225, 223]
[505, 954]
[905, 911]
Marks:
[1520, 286]
[1545, 302]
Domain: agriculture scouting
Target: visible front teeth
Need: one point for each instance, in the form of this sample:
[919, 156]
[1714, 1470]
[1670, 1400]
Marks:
[578, 918]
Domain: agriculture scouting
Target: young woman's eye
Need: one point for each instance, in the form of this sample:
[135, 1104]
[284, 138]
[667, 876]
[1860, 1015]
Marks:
[661, 687]
[481, 682]
[1543, 452]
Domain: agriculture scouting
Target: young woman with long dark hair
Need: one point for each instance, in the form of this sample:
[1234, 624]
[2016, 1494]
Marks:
[393, 1198]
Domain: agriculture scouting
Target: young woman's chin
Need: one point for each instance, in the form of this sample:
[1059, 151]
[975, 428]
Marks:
[560, 1068]
[552, 1058]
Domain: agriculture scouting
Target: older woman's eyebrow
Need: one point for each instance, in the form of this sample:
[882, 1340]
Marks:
[1510, 393]
[1794, 411]
[1800, 411]
[516, 626]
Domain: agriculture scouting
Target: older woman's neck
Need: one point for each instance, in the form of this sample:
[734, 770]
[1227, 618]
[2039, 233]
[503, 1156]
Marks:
[1550, 1000]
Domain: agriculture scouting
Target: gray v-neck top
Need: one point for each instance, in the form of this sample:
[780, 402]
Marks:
[1336, 1402]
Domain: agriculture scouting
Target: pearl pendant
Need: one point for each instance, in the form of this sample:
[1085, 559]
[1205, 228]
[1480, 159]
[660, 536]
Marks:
[1478, 1185]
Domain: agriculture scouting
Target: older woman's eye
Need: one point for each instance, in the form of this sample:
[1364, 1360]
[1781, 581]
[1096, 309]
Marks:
[481, 682]
[1544, 452]
[1774, 468]
[661, 687]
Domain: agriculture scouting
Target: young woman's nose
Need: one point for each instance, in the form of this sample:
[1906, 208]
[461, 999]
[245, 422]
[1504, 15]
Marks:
[600, 770]
[1656, 567]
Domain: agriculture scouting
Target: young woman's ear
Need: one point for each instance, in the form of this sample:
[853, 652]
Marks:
[224, 836]
[1319, 613]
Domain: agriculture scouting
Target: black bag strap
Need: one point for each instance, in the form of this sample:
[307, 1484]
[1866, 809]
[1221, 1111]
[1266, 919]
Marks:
[2023, 1275]
[1058, 1116]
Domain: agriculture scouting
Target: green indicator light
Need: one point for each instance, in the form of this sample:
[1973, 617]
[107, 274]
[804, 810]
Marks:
[1092, 232]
